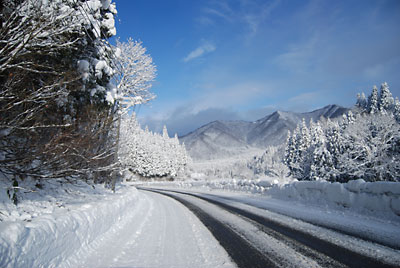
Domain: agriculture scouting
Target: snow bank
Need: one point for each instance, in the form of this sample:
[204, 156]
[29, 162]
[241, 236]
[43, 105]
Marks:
[58, 234]
[381, 198]
[253, 186]
[358, 194]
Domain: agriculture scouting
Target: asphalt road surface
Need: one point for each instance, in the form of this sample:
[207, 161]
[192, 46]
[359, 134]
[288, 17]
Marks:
[253, 238]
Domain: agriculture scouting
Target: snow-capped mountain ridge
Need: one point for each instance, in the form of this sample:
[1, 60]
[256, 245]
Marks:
[219, 139]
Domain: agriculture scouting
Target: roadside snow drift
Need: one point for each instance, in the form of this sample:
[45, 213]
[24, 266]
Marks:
[371, 197]
[56, 231]
[380, 196]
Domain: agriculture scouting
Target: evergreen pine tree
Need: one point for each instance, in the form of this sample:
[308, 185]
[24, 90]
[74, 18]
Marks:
[386, 100]
[373, 101]
[289, 151]
[165, 132]
[361, 101]
[319, 156]
[396, 109]
[334, 147]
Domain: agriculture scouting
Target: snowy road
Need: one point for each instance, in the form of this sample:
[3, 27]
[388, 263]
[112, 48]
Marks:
[161, 233]
[256, 237]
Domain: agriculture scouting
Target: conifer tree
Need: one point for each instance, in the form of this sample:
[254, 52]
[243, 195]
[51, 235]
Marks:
[373, 104]
[361, 101]
[386, 100]
[396, 109]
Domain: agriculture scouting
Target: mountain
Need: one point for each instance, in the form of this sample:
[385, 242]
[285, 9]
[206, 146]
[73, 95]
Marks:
[220, 139]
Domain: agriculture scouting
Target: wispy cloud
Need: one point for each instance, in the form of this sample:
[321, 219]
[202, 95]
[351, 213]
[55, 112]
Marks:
[205, 48]
[300, 57]
[255, 15]
[305, 101]
[182, 119]
[205, 20]
[250, 13]
[219, 13]
[232, 95]
[206, 106]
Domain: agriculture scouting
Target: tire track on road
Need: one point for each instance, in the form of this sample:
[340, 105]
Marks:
[312, 245]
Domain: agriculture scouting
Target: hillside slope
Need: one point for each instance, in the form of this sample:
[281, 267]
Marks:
[220, 139]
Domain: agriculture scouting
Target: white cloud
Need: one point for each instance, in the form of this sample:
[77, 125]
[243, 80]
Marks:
[306, 101]
[258, 14]
[205, 48]
[217, 13]
[204, 20]
[232, 95]
[249, 13]
[374, 72]
[301, 57]
[183, 119]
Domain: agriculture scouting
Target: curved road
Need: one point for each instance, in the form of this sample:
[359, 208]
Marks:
[170, 228]
[252, 239]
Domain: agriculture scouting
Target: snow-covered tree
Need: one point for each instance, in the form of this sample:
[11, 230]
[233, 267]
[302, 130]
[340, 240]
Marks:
[386, 101]
[374, 153]
[297, 153]
[270, 163]
[320, 157]
[55, 88]
[289, 149]
[363, 145]
[373, 101]
[291, 152]
[334, 145]
[361, 101]
[396, 109]
[303, 143]
[134, 74]
[150, 154]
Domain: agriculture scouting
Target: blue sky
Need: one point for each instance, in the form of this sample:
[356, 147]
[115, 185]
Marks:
[243, 59]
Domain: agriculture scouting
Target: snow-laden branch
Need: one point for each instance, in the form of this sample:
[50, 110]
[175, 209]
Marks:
[51, 123]
[134, 75]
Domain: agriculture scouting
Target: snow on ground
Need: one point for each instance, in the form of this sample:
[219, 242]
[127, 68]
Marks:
[288, 256]
[368, 210]
[163, 233]
[285, 255]
[77, 225]
[381, 199]
[227, 167]
[370, 227]
[60, 222]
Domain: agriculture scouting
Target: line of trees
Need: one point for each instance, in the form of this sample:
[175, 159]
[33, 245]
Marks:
[365, 144]
[149, 154]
